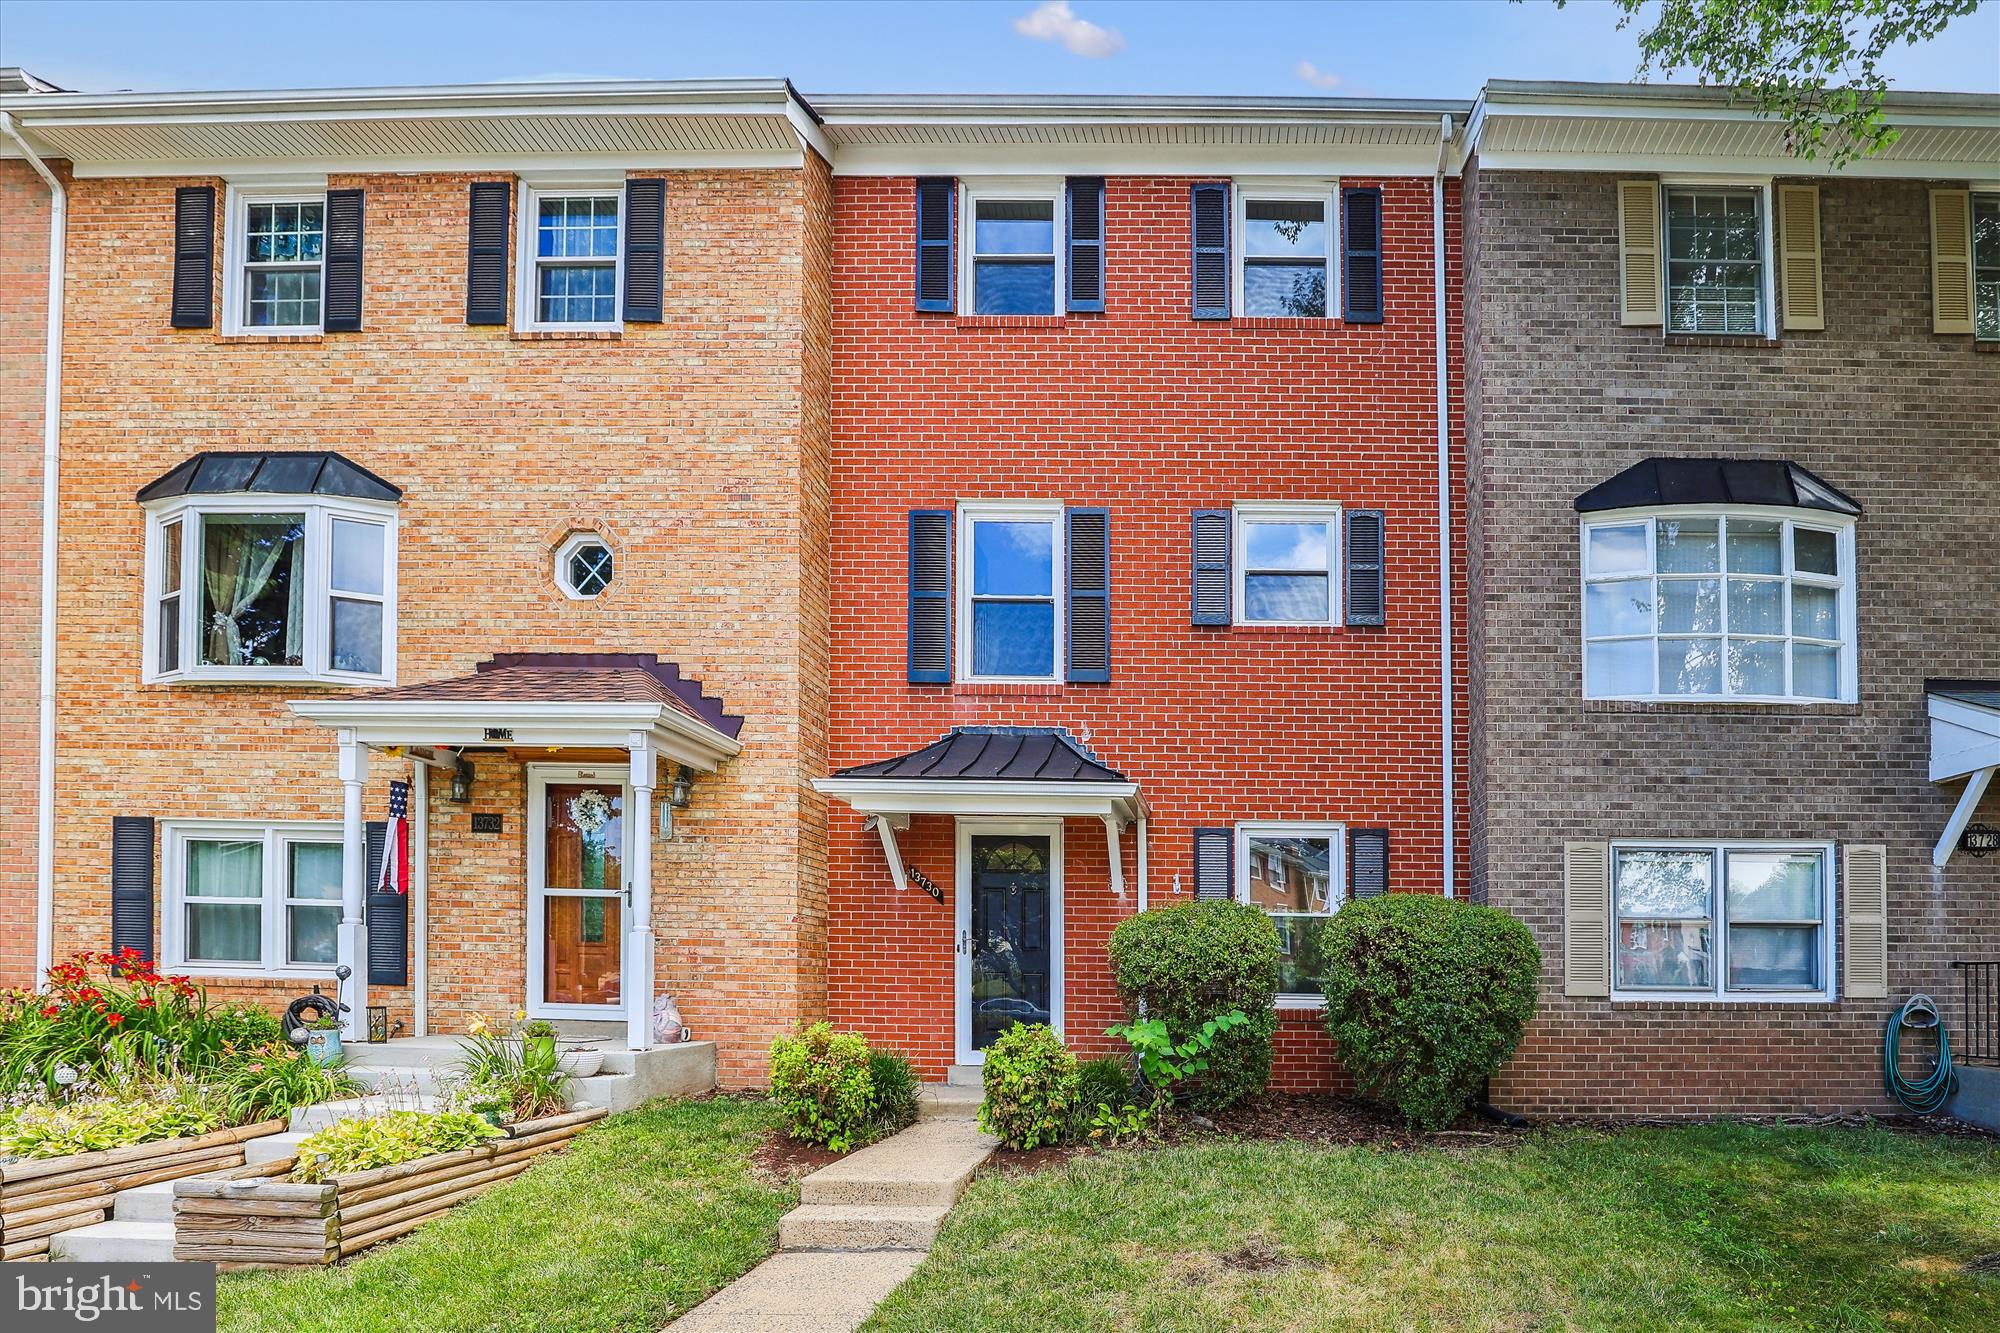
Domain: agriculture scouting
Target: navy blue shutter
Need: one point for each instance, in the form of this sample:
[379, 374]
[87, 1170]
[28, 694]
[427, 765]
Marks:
[1367, 862]
[1089, 574]
[930, 597]
[194, 257]
[935, 208]
[645, 251]
[1086, 244]
[1361, 244]
[132, 883]
[1362, 546]
[341, 308]
[1214, 853]
[388, 918]
[1210, 594]
[1211, 251]
[491, 221]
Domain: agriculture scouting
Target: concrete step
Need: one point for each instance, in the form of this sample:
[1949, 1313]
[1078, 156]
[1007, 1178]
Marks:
[360, 1108]
[273, 1147]
[683, 1070]
[803, 1291]
[398, 1078]
[946, 1101]
[966, 1076]
[404, 1053]
[927, 1165]
[822, 1226]
[115, 1242]
[145, 1203]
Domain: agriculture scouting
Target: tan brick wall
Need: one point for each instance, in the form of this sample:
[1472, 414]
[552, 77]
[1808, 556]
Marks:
[697, 446]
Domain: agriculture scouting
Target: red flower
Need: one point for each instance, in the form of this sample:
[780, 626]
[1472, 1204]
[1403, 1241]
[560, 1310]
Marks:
[145, 1003]
[114, 1019]
[51, 1010]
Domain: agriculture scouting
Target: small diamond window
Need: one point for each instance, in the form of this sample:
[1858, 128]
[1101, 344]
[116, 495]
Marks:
[584, 566]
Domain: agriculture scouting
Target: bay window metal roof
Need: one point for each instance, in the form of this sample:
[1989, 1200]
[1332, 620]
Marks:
[293, 473]
[992, 754]
[1655, 483]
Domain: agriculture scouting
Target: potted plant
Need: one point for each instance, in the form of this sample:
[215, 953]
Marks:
[538, 1039]
[581, 1061]
[323, 1038]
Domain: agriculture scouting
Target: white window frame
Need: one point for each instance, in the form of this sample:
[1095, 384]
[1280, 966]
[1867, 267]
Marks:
[1323, 191]
[237, 202]
[1841, 525]
[1246, 512]
[1767, 260]
[1336, 834]
[528, 264]
[571, 545]
[317, 566]
[277, 837]
[1972, 213]
[971, 513]
[1719, 992]
[1039, 189]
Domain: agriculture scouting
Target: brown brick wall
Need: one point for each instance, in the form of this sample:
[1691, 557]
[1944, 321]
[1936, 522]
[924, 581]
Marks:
[1562, 397]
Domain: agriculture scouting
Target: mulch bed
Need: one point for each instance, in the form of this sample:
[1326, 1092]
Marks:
[1333, 1122]
[785, 1158]
[1006, 1163]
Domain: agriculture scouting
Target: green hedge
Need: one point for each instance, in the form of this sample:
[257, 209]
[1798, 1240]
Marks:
[1188, 963]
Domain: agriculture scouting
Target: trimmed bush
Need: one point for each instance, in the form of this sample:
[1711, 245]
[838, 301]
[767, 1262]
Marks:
[1030, 1087]
[1426, 997]
[895, 1091]
[820, 1081]
[1187, 964]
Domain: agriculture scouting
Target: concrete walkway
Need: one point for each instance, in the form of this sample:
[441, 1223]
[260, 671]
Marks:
[861, 1227]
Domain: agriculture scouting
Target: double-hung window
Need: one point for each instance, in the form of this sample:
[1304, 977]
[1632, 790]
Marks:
[571, 267]
[1285, 254]
[1986, 267]
[1295, 873]
[1010, 627]
[275, 256]
[252, 898]
[1010, 265]
[1749, 604]
[1285, 561]
[270, 587]
[1722, 920]
[1717, 277]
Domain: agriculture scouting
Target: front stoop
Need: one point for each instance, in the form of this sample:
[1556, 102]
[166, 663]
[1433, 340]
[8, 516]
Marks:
[414, 1066]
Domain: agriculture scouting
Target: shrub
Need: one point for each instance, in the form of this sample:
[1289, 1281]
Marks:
[895, 1084]
[821, 1083]
[1185, 965]
[1105, 1081]
[168, 1111]
[384, 1140]
[1163, 1061]
[1426, 997]
[1031, 1087]
[519, 1076]
[268, 1081]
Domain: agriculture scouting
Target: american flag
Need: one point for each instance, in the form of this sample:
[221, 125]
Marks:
[396, 847]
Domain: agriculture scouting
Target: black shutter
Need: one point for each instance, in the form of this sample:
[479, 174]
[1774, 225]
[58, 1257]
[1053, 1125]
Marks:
[388, 919]
[1361, 243]
[935, 205]
[1086, 244]
[1363, 546]
[930, 597]
[1211, 251]
[1367, 862]
[645, 251]
[1214, 871]
[194, 257]
[132, 883]
[1089, 575]
[1211, 567]
[491, 220]
[341, 308]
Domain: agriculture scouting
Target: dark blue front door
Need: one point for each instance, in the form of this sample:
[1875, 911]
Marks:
[1010, 933]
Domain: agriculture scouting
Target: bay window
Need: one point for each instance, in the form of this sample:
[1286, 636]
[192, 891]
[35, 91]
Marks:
[251, 898]
[1722, 920]
[1295, 873]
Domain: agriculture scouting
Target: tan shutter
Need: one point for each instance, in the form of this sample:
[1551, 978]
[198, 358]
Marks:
[1865, 868]
[1798, 225]
[1639, 300]
[1586, 918]
[1951, 261]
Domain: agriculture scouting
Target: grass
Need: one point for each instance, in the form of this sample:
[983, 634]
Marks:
[634, 1224]
[1704, 1227]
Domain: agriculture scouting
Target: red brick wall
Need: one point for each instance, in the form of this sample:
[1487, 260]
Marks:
[1148, 412]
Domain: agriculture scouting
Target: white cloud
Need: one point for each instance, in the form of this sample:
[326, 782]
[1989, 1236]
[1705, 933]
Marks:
[1052, 21]
[1324, 80]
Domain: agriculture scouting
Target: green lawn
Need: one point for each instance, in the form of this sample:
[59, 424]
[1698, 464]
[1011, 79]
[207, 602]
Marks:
[634, 1224]
[1709, 1227]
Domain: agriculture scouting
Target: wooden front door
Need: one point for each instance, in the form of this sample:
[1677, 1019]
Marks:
[576, 899]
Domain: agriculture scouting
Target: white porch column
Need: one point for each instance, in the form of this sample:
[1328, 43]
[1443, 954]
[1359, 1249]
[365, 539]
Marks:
[420, 891]
[351, 947]
[638, 979]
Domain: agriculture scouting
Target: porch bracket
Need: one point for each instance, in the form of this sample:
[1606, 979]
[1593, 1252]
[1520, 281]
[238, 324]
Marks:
[1961, 815]
[886, 826]
[639, 939]
[1114, 828]
[349, 946]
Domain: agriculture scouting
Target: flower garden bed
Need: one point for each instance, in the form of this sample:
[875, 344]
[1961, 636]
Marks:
[270, 1223]
[40, 1197]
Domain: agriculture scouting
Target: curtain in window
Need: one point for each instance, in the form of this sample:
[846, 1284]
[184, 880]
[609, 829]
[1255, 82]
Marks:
[241, 555]
[225, 891]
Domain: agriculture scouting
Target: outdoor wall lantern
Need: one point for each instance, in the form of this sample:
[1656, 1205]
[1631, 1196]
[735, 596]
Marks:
[677, 795]
[378, 1022]
[461, 783]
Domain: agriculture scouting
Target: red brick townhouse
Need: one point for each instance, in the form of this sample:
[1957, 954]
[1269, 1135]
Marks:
[1138, 557]
[458, 454]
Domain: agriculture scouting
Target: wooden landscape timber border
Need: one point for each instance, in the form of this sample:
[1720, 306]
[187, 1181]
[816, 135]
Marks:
[266, 1223]
[41, 1196]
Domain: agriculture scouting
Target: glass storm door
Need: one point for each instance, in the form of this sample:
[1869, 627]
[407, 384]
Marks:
[1010, 936]
[576, 894]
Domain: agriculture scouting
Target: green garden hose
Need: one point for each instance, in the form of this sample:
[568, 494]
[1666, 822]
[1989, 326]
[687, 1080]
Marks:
[1928, 1095]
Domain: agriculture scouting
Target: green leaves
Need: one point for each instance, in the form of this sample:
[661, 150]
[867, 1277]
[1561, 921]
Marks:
[46, 1130]
[1182, 965]
[821, 1081]
[384, 1140]
[1162, 1060]
[1031, 1087]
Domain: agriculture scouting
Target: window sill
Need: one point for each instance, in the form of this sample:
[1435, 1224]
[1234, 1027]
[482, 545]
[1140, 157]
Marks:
[1010, 689]
[271, 681]
[1008, 321]
[1720, 340]
[566, 335]
[1709, 1004]
[207, 971]
[1266, 628]
[1986, 346]
[271, 338]
[1299, 1004]
[1758, 708]
[1279, 321]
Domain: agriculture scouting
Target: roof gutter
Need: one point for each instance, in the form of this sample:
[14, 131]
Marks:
[1449, 774]
[45, 759]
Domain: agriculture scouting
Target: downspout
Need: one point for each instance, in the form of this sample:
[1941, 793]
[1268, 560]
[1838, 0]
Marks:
[1450, 849]
[1142, 858]
[45, 761]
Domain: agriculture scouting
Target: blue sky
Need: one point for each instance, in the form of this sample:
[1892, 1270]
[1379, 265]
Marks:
[1411, 48]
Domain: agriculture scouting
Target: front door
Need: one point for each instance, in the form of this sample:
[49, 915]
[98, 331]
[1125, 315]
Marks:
[576, 891]
[1010, 931]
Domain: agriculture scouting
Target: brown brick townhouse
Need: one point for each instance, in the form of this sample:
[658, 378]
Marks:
[476, 453]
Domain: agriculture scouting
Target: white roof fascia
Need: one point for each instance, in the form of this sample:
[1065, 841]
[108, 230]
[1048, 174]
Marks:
[1964, 738]
[954, 796]
[386, 722]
